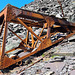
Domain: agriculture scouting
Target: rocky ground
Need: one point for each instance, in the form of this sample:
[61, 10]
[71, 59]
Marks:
[52, 64]
[55, 64]
[52, 7]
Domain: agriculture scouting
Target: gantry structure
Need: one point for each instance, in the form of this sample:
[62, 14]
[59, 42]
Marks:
[30, 19]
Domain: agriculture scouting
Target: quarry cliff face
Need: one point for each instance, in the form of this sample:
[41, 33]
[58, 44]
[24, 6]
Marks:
[52, 7]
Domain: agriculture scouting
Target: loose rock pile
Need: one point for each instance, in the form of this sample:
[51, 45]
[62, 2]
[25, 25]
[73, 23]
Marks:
[52, 7]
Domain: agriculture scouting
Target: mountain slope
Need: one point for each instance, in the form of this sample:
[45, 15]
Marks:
[52, 7]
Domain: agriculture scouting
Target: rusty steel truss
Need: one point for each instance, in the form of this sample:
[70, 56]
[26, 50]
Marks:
[29, 19]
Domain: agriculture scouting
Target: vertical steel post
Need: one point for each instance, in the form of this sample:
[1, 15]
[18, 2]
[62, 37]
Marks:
[4, 39]
[49, 26]
[27, 37]
[50, 23]
[48, 31]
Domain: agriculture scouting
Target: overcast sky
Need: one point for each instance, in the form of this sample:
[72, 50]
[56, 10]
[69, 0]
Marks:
[17, 3]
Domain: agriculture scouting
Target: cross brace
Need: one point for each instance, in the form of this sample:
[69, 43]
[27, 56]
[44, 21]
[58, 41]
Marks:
[50, 26]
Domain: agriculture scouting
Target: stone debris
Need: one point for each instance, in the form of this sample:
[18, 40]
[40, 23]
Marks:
[55, 68]
[65, 67]
[72, 72]
[50, 73]
[57, 59]
[38, 71]
[52, 7]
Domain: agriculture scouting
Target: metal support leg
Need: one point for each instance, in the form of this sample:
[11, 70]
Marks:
[39, 36]
[48, 32]
[32, 38]
[27, 37]
[4, 40]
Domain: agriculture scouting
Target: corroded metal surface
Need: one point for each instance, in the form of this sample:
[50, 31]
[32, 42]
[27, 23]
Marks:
[54, 26]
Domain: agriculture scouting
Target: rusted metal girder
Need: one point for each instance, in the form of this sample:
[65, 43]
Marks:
[29, 19]
[29, 29]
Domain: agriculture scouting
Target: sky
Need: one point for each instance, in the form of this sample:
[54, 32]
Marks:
[17, 3]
